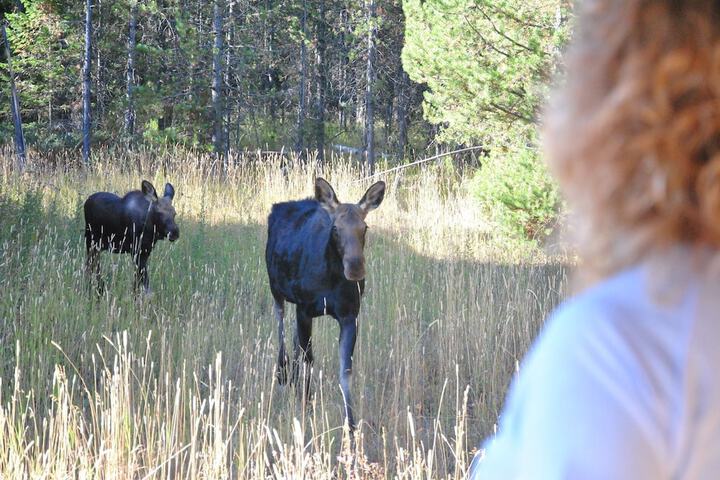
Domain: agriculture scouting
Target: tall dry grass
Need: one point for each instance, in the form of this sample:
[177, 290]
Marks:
[181, 384]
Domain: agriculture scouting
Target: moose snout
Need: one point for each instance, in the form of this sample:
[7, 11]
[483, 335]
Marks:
[354, 269]
[173, 234]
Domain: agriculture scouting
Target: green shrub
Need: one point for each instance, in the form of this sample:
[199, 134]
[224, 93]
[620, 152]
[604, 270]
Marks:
[517, 192]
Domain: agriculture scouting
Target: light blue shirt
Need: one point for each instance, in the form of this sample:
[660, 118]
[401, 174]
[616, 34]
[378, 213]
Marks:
[623, 383]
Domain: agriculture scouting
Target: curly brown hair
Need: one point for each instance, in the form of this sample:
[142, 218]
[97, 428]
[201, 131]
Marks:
[633, 133]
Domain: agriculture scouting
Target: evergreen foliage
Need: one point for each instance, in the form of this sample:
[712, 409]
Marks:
[47, 58]
[486, 64]
[517, 193]
[171, 91]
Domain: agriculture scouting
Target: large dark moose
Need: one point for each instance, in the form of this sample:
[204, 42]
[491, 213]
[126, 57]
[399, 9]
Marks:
[131, 224]
[315, 259]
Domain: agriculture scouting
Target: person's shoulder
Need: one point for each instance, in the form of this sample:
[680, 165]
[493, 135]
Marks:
[620, 298]
[609, 329]
[585, 366]
[623, 289]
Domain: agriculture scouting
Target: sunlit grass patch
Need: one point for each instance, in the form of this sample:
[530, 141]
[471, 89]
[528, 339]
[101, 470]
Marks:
[181, 384]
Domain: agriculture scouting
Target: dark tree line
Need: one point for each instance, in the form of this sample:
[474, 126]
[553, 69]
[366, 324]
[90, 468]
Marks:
[225, 75]
[375, 78]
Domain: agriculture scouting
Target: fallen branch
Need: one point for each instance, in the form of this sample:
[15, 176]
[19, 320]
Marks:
[418, 162]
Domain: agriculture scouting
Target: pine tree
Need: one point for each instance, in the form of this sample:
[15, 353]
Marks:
[486, 64]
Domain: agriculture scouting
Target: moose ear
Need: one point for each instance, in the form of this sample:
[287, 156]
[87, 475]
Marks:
[149, 191]
[325, 195]
[169, 191]
[373, 197]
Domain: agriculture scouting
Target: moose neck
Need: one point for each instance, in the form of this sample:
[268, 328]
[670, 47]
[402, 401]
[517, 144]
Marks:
[332, 257]
[149, 232]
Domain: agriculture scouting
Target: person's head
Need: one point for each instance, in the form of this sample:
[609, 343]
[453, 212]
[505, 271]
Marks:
[633, 132]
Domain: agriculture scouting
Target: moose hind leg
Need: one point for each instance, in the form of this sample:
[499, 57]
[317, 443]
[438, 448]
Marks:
[303, 348]
[92, 269]
[346, 347]
[279, 311]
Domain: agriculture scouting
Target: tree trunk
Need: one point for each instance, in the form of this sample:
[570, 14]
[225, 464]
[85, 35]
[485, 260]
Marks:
[230, 34]
[271, 72]
[320, 84]
[165, 121]
[370, 81]
[300, 141]
[130, 74]
[99, 91]
[86, 82]
[403, 98]
[217, 94]
[345, 94]
[15, 106]
[387, 121]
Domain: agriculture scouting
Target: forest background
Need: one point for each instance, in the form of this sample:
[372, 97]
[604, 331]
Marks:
[385, 82]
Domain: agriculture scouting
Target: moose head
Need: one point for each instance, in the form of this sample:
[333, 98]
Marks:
[348, 229]
[161, 214]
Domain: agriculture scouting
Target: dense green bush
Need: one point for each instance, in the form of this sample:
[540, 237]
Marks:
[518, 193]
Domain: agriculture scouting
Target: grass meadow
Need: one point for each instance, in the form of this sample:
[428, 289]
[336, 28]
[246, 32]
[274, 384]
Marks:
[181, 384]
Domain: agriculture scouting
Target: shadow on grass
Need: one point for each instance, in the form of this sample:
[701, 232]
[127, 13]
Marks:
[429, 328]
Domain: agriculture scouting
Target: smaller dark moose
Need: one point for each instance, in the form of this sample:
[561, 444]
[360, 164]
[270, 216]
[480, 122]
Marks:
[131, 224]
[315, 259]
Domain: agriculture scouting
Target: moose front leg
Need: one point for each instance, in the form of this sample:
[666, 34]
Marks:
[303, 347]
[141, 274]
[348, 334]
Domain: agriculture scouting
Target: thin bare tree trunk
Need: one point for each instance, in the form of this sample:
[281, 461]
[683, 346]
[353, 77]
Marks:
[86, 82]
[130, 74]
[388, 119]
[300, 141]
[229, 36]
[271, 107]
[15, 106]
[345, 72]
[165, 120]
[320, 81]
[370, 81]
[99, 90]
[402, 112]
[217, 94]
